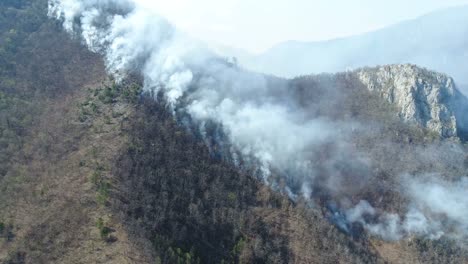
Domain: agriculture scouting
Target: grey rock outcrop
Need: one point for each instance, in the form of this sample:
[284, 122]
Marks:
[428, 98]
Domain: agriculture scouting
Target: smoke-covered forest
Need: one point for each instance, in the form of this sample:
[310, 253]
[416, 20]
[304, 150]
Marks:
[124, 141]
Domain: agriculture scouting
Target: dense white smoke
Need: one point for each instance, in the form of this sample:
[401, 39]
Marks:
[241, 102]
[260, 120]
[435, 204]
[447, 201]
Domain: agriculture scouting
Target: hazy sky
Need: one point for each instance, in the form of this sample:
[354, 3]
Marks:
[256, 25]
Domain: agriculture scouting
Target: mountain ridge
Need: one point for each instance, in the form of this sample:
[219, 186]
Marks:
[435, 41]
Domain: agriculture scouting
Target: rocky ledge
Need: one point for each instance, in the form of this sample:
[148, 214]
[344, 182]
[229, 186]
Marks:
[428, 98]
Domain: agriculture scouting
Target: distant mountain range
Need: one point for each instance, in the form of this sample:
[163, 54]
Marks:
[438, 41]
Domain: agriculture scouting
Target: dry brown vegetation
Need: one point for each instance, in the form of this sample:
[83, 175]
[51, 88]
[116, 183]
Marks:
[92, 172]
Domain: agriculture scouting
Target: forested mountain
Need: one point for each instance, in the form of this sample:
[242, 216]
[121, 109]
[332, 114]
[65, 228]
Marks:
[96, 169]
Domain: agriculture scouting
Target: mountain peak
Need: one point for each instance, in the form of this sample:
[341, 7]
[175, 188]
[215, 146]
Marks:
[425, 97]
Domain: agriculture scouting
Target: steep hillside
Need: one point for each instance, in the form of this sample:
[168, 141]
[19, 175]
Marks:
[98, 171]
[48, 209]
[101, 177]
[77, 182]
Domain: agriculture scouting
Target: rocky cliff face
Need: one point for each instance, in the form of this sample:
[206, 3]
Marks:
[427, 98]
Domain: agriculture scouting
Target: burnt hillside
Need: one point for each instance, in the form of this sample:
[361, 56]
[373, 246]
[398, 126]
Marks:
[94, 171]
[79, 176]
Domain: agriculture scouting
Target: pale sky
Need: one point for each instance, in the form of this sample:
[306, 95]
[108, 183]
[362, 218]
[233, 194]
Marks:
[256, 25]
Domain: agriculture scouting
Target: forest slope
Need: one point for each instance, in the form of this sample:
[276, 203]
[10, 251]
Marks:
[95, 171]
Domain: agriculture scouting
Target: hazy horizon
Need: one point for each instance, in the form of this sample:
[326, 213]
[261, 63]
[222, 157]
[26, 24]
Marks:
[238, 24]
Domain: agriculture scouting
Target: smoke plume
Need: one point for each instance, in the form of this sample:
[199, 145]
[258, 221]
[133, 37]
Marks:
[261, 119]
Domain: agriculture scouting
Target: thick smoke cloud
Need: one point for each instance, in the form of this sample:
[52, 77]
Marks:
[253, 118]
[261, 120]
